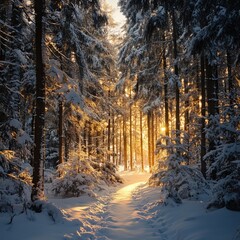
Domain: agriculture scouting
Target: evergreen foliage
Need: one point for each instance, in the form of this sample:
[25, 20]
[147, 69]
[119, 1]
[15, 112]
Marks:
[178, 72]
[79, 69]
[186, 48]
[15, 179]
[78, 177]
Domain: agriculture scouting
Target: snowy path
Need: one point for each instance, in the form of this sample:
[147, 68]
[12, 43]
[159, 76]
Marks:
[115, 216]
[124, 222]
[134, 211]
[131, 211]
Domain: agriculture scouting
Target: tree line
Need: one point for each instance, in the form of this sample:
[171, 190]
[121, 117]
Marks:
[170, 101]
[57, 69]
[184, 58]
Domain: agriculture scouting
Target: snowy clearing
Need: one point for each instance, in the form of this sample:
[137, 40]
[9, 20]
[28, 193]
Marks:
[132, 210]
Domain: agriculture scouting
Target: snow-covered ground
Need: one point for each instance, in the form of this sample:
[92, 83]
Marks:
[130, 211]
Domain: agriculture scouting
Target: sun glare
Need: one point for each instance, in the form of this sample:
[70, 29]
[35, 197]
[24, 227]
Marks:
[125, 194]
[163, 129]
[118, 17]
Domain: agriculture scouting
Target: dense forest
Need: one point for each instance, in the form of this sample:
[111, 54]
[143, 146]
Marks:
[77, 103]
[184, 58]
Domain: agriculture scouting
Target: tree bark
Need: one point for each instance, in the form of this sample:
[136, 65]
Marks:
[203, 113]
[166, 96]
[117, 141]
[210, 100]
[152, 139]
[38, 164]
[113, 140]
[186, 119]
[141, 141]
[176, 71]
[85, 138]
[130, 138]
[212, 110]
[125, 143]
[149, 141]
[109, 140]
[67, 140]
[89, 131]
[120, 141]
[135, 135]
[216, 89]
[98, 136]
[109, 133]
[230, 82]
[60, 132]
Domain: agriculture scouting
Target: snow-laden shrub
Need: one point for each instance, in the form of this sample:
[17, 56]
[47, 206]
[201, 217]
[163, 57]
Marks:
[226, 192]
[15, 182]
[177, 180]
[182, 182]
[49, 209]
[225, 136]
[224, 157]
[225, 163]
[107, 172]
[84, 177]
[49, 175]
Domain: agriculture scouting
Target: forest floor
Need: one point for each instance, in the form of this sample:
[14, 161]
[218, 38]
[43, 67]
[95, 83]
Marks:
[130, 211]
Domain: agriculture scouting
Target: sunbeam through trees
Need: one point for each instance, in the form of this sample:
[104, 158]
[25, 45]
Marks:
[91, 91]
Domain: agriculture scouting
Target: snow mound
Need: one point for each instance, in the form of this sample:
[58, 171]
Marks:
[180, 183]
[15, 182]
[50, 210]
[84, 177]
[226, 192]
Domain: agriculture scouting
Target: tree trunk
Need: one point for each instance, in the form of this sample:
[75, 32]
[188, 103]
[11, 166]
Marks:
[98, 136]
[125, 143]
[141, 141]
[120, 141]
[212, 111]
[152, 139]
[130, 138]
[176, 72]
[109, 136]
[113, 140]
[186, 119]
[198, 79]
[230, 82]
[166, 96]
[149, 141]
[38, 164]
[60, 133]
[135, 135]
[33, 130]
[203, 113]
[66, 145]
[186, 114]
[117, 141]
[85, 138]
[210, 100]
[89, 131]
[216, 89]
[103, 144]
[156, 128]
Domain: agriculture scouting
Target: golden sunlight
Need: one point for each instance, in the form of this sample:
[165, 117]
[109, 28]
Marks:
[125, 193]
[163, 129]
[117, 16]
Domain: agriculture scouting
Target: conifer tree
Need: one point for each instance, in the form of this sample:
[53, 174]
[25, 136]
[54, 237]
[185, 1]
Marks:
[38, 161]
